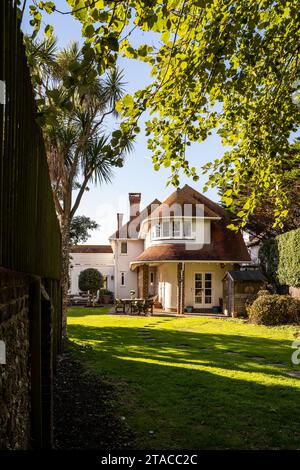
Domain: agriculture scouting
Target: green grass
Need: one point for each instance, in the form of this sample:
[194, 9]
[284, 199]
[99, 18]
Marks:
[185, 387]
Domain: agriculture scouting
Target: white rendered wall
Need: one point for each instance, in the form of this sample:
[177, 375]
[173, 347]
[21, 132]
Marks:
[218, 274]
[201, 228]
[167, 285]
[103, 262]
[122, 264]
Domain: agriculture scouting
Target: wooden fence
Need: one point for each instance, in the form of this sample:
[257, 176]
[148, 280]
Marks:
[29, 230]
[30, 244]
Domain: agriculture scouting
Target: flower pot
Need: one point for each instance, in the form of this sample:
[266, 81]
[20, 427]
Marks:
[106, 299]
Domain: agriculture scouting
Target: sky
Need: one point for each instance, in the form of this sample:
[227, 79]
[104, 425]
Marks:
[102, 203]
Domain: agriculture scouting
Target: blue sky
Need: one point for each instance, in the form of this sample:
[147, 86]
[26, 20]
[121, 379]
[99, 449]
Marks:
[103, 202]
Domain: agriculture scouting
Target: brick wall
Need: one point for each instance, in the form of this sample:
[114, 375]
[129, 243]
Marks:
[15, 375]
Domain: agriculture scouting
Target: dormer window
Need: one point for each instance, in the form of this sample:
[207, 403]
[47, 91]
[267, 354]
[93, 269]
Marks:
[187, 228]
[176, 229]
[173, 229]
[156, 231]
[165, 229]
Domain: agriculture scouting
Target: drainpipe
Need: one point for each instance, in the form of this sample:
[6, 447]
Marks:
[182, 287]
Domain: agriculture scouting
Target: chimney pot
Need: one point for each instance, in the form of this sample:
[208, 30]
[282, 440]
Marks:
[134, 204]
[119, 221]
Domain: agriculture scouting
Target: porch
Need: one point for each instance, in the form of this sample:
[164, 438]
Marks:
[182, 287]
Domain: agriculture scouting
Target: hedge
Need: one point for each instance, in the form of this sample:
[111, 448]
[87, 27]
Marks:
[274, 310]
[288, 270]
[280, 258]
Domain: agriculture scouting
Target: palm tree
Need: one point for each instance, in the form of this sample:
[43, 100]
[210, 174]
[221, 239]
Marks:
[73, 104]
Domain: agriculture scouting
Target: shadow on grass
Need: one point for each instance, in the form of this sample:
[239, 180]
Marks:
[185, 388]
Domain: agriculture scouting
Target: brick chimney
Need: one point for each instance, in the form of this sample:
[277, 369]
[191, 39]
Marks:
[134, 204]
[120, 221]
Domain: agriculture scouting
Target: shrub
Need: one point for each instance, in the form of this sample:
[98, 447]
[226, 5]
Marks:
[274, 310]
[90, 280]
[263, 292]
[288, 270]
[106, 292]
[280, 258]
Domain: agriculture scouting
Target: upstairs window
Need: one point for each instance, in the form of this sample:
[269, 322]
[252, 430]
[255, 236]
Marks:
[124, 248]
[176, 228]
[156, 231]
[165, 229]
[187, 228]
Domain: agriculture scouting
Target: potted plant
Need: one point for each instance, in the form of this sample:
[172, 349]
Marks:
[106, 296]
[189, 309]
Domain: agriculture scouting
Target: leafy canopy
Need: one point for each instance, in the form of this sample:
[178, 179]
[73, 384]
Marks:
[90, 280]
[79, 229]
[229, 66]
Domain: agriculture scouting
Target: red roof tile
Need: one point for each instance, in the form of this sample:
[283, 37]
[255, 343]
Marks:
[132, 227]
[91, 249]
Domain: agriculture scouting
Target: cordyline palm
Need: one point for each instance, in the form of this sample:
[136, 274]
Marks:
[73, 103]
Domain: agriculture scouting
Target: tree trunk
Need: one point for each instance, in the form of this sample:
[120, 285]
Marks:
[65, 235]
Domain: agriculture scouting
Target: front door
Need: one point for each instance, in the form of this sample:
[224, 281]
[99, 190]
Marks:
[203, 290]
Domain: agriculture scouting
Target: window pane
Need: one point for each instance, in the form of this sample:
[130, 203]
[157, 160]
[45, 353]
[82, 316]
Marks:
[187, 228]
[166, 229]
[157, 230]
[208, 300]
[197, 276]
[208, 276]
[124, 247]
[198, 300]
[176, 228]
[198, 291]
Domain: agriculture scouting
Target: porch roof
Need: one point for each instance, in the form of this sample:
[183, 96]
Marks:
[232, 251]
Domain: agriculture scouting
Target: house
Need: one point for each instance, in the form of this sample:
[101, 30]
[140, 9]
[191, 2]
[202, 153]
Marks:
[178, 251]
[253, 244]
[100, 257]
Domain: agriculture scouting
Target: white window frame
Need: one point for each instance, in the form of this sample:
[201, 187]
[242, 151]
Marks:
[176, 221]
[165, 233]
[159, 233]
[190, 222]
[122, 244]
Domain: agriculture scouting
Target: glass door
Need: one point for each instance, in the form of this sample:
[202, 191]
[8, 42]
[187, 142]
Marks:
[203, 293]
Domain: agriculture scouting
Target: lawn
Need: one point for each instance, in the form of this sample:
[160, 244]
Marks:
[194, 383]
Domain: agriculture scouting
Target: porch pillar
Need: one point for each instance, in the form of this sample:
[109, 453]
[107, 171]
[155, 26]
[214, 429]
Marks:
[180, 288]
[145, 276]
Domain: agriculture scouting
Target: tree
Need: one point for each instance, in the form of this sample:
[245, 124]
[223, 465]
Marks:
[90, 280]
[79, 229]
[262, 221]
[73, 104]
[227, 66]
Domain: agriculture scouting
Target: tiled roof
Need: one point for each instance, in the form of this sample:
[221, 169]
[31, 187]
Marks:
[185, 197]
[225, 244]
[253, 275]
[91, 249]
[132, 227]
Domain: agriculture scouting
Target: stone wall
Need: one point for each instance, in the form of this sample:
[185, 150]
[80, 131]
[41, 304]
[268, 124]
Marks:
[15, 375]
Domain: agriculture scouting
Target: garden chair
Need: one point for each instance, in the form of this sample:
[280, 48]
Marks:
[119, 306]
[148, 306]
[137, 307]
